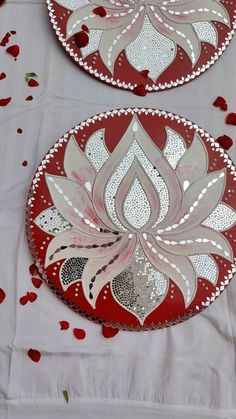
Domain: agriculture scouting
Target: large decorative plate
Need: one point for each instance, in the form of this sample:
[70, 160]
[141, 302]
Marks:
[157, 43]
[131, 219]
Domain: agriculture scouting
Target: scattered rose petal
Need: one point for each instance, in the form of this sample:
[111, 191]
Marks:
[81, 39]
[231, 119]
[19, 130]
[13, 50]
[144, 73]
[85, 28]
[33, 270]
[24, 300]
[64, 325]
[13, 32]
[33, 83]
[24, 163]
[37, 282]
[109, 332]
[5, 101]
[140, 90]
[1, 2]
[34, 355]
[225, 142]
[100, 11]
[32, 296]
[29, 98]
[220, 102]
[79, 333]
[2, 295]
[66, 395]
[5, 39]
[2, 76]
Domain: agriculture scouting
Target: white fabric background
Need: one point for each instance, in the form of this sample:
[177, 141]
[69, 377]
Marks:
[185, 372]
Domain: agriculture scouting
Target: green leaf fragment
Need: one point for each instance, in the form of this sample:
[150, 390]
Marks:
[29, 76]
[66, 395]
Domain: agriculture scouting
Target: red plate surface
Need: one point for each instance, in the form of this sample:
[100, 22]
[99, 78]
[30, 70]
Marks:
[159, 44]
[131, 219]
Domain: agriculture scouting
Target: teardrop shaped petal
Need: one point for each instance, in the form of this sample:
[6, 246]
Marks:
[96, 151]
[71, 271]
[51, 221]
[205, 267]
[222, 218]
[174, 147]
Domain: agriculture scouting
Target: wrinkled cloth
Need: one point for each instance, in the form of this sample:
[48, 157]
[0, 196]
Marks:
[183, 372]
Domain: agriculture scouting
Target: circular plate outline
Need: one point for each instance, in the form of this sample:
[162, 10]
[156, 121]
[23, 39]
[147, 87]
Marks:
[132, 111]
[129, 86]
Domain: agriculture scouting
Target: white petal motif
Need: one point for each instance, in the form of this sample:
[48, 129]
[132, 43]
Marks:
[174, 148]
[72, 4]
[222, 218]
[206, 32]
[137, 210]
[96, 151]
[205, 267]
[94, 41]
[151, 51]
[51, 221]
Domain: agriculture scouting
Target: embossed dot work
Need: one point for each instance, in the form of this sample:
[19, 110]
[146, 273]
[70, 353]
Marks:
[131, 219]
[157, 43]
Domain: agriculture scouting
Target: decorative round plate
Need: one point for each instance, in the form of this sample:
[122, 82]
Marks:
[131, 219]
[156, 43]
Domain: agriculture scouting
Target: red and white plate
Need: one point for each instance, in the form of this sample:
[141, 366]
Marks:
[131, 219]
[156, 43]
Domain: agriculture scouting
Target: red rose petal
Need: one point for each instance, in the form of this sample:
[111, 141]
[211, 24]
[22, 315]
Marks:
[2, 76]
[34, 355]
[109, 332]
[231, 119]
[1, 2]
[13, 50]
[33, 83]
[24, 300]
[85, 28]
[100, 11]
[140, 90]
[19, 130]
[33, 270]
[79, 333]
[29, 98]
[81, 39]
[144, 73]
[13, 32]
[224, 107]
[2, 295]
[64, 325]
[32, 296]
[5, 39]
[5, 101]
[220, 101]
[37, 282]
[24, 163]
[225, 141]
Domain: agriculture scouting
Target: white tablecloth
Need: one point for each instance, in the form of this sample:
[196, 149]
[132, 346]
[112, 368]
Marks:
[184, 372]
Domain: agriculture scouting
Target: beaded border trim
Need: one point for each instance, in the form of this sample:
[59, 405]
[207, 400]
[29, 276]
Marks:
[130, 86]
[40, 171]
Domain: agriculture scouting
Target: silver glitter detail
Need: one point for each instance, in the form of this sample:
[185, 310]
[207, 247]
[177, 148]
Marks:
[94, 41]
[205, 267]
[174, 149]
[51, 221]
[96, 151]
[72, 270]
[73, 4]
[151, 50]
[137, 210]
[140, 288]
[222, 218]
[206, 32]
[158, 182]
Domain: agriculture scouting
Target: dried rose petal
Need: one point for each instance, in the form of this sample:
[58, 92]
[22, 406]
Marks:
[2, 76]
[79, 333]
[100, 11]
[2, 295]
[231, 119]
[13, 50]
[81, 39]
[24, 163]
[37, 282]
[225, 141]
[5, 101]
[34, 355]
[29, 98]
[109, 332]
[140, 90]
[24, 300]
[220, 102]
[64, 325]
[33, 270]
[32, 296]
[33, 83]
[144, 73]
[85, 28]
[5, 39]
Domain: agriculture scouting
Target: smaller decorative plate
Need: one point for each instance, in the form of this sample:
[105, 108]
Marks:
[156, 43]
[131, 219]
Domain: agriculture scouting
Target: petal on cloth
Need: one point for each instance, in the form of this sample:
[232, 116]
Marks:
[74, 243]
[178, 268]
[99, 271]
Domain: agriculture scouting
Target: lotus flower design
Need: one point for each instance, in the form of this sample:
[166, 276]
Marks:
[137, 217]
[148, 30]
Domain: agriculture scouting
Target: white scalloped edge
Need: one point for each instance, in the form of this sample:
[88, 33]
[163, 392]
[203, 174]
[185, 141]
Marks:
[118, 112]
[130, 86]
